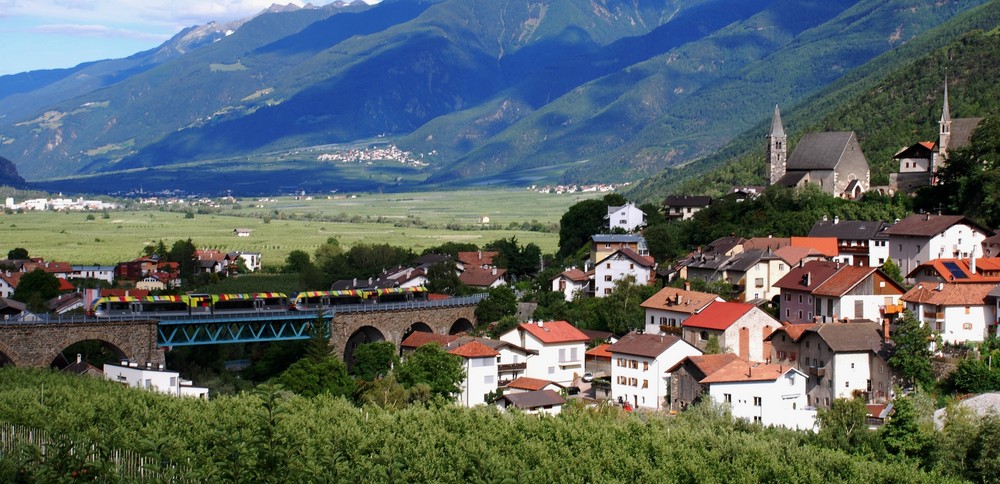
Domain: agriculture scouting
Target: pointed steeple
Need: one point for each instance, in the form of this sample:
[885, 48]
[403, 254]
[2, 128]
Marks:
[777, 149]
[945, 111]
[777, 130]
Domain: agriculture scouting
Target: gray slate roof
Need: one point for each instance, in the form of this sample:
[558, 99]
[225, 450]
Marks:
[819, 151]
[847, 229]
[961, 132]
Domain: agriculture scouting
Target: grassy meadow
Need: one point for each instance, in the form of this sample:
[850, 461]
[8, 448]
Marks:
[72, 237]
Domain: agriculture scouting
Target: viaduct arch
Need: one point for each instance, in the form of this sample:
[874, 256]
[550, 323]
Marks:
[37, 344]
[393, 326]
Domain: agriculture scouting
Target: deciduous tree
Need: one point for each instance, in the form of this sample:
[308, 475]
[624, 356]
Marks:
[431, 365]
[911, 354]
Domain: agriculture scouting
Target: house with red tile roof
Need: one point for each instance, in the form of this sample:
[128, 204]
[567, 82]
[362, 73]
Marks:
[739, 327]
[959, 313]
[958, 271]
[619, 265]
[796, 287]
[771, 395]
[824, 245]
[855, 293]
[843, 360]
[480, 365]
[483, 278]
[685, 378]
[524, 384]
[573, 283]
[512, 361]
[640, 366]
[546, 402]
[480, 259]
[560, 348]
[922, 237]
[669, 307]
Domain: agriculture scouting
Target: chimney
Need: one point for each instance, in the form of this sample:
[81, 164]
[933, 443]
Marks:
[824, 217]
[541, 323]
[940, 286]
[836, 219]
[494, 271]
[687, 286]
[972, 263]
[480, 255]
[885, 329]
[355, 283]
[927, 216]
[679, 298]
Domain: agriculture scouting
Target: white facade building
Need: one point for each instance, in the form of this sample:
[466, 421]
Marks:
[572, 282]
[620, 265]
[667, 310]
[480, 364]
[771, 395]
[960, 313]
[560, 348]
[922, 237]
[639, 364]
[104, 273]
[626, 217]
[153, 379]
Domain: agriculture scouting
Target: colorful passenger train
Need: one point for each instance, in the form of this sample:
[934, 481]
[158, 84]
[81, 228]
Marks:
[196, 304]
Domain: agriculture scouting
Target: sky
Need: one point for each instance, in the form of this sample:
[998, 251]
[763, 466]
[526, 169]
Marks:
[47, 34]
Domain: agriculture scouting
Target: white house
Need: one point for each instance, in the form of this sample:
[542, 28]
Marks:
[626, 217]
[525, 384]
[639, 364]
[480, 364]
[104, 273]
[155, 379]
[958, 312]
[571, 282]
[922, 237]
[670, 307]
[619, 265]
[856, 292]
[771, 395]
[739, 327]
[560, 348]
[843, 360]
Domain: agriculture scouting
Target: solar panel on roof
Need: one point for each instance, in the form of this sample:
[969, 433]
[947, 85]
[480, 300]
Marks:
[956, 272]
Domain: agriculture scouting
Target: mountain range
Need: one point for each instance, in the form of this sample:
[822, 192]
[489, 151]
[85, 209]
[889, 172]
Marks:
[476, 93]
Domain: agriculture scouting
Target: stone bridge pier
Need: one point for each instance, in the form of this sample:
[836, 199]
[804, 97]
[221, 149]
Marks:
[37, 344]
[348, 330]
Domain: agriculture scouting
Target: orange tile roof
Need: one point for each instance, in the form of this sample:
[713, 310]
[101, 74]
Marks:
[795, 331]
[742, 371]
[65, 285]
[764, 243]
[553, 332]
[709, 364]
[480, 277]
[533, 384]
[792, 255]
[474, 349]
[949, 295]
[573, 274]
[417, 339]
[825, 245]
[690, 302]
[987, 270]
[600, 351]
[844, 280]
[478, 258]
[718, 315]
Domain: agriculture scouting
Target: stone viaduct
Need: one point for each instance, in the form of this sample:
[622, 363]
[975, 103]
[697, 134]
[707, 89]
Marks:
[38, 344]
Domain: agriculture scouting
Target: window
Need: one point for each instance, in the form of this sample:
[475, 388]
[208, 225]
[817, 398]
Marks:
[552, 370]
[609, 265]
[800, 299]
[968, 310]
[633, 364]
[572, 354]
[807, 344]
[607, 278]
[607, 245]
[645, 366]
[852, 366]
[966, 325]
[173, 381]
[847, 384]
[607, 290]
[488, 379]
[562, 355]
[757, 401]
[759, 282]
[645, 383]
[757, 419]
[652, 320]
[781, 267]
[703, 335]
[727, 397]
[631, 266]
[800, 314]
[788, 296]
[788, 313]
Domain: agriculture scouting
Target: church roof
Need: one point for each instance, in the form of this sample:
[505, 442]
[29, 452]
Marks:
[820, 151]
[791, 179]
[961, 132]
[777, 130]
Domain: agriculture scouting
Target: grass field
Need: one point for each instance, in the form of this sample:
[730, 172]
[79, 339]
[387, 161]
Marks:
[71, 237]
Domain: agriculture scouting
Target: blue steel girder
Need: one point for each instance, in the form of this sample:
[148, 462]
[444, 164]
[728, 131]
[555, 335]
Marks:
[236, 328]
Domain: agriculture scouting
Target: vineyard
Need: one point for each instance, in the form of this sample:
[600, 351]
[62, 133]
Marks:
[271, 436]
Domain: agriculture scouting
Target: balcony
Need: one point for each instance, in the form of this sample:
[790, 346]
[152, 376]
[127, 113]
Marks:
[672, 330]
[509, 367]
[933, 315]
[817, 371]
[892, 309]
